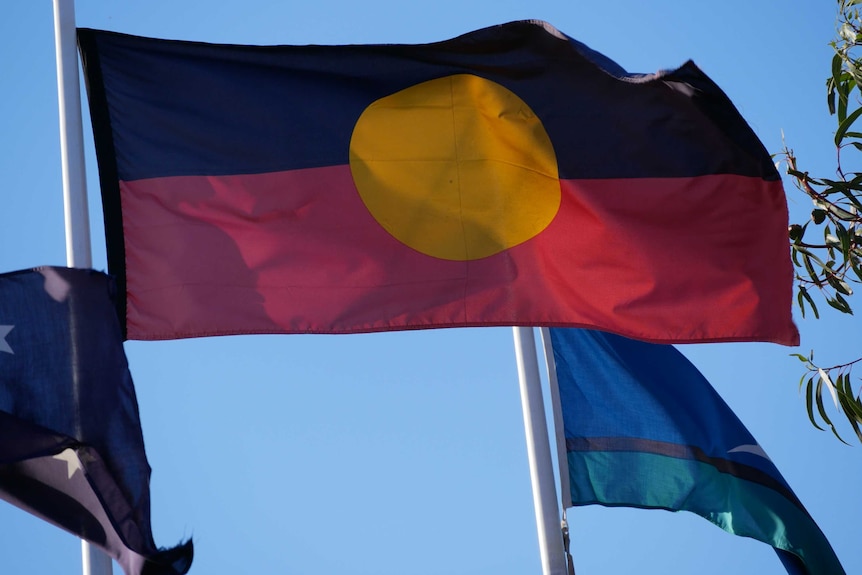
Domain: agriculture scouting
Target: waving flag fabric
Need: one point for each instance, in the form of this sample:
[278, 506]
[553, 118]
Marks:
[510, 176]
[71, 449]
[643, 428]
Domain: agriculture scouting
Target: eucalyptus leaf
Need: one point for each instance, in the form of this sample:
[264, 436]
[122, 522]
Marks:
[806, 259]
[845, 125]
[809, 403]
[822, 411]
[818, 400]
[843, 303]
[840, 212]
[804, 293]
[839, 305]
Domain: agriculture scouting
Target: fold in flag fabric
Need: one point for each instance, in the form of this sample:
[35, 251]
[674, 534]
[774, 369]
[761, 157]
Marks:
[71, 448]
[643, 428]
[510, 176]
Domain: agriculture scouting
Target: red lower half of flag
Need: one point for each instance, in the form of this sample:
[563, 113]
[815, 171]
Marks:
[661, 259]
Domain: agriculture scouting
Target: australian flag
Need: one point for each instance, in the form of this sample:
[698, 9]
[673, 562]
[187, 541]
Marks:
[71, 446]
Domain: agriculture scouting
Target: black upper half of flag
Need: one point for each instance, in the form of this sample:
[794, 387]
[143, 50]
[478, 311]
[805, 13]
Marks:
[174, 108]
[67, 402]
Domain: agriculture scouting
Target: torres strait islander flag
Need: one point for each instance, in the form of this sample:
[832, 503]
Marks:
[643, 428]
[510, 176]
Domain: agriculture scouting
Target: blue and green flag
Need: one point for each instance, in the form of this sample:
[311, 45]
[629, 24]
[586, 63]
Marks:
[643, 428]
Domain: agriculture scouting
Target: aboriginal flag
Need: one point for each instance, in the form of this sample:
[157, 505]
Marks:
[510, 176]
[71, 447]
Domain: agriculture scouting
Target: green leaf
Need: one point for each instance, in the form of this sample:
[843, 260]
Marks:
[806, 260]
[805, 251]
[801, 303]
[847, 404]
[843, 239]
[840, 212]
[845, 125]
[809, 403]
[854, 265]
[802, 380]
[854, 405]
[849, 187]
[839, 304]
[853, 70]
[804, 177]
[843, 303]
[832, 82]
[804, 293]
[836, 67]
[822, 410]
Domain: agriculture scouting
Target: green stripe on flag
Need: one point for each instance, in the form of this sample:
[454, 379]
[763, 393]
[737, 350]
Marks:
[739, 506]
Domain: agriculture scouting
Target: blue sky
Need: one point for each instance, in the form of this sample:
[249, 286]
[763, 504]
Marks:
[405, 452]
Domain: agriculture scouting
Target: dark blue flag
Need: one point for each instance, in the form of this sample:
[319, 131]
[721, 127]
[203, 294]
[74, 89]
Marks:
[643, 428]
[71, 447]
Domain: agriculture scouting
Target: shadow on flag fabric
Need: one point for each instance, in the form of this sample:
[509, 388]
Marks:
[643, 428]
[71, 447]
[510, 176]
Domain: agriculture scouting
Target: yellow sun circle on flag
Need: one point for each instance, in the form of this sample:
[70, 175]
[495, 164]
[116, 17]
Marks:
[458, 168]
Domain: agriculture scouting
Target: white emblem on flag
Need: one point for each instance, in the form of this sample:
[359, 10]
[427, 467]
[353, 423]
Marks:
[753, 449]
[73, 464]
[4, 345]
[55, 285]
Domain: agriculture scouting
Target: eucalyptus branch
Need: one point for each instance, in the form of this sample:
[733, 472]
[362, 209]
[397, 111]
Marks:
[830, 266]
[836, 380]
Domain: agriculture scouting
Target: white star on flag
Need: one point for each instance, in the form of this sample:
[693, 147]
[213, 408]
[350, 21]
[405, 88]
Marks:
[73, 464]
[4, 345]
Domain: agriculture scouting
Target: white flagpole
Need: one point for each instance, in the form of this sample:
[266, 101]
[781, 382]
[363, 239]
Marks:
[560, 436]
[78, 251]
[560, 440]
[539, 454]
[71, 137]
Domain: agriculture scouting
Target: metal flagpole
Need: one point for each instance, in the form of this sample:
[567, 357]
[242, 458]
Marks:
[78, 251]
[560, 440]
[539, 454]
[566, 495]
[71, 137]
